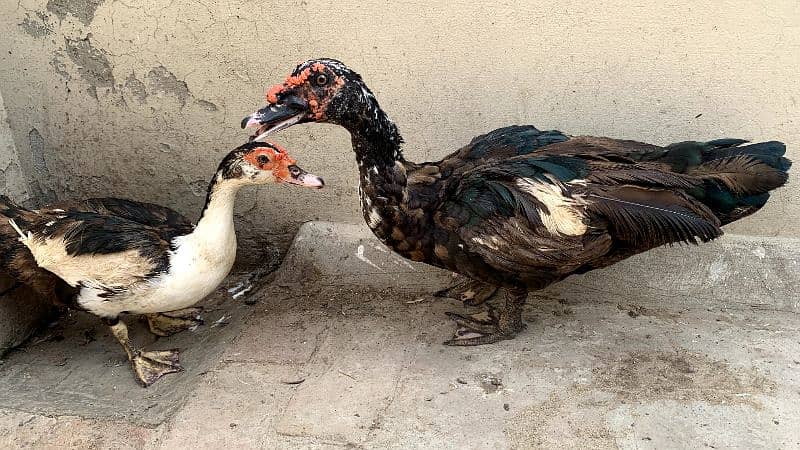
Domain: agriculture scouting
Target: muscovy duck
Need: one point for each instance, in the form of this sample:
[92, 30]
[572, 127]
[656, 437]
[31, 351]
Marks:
[18, 260]
[117, 257]
[520, 208]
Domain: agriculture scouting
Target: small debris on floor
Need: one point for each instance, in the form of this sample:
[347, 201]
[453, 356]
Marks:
[88, 336]
[240, 289]
[460, 380]
[294, 382]
[221, 322]
[347, 375]
[490, 383]
[506, 406]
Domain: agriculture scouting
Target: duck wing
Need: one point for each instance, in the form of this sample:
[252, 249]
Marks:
[500, 144]
[537, 218]
[149, 214]
[91, 248]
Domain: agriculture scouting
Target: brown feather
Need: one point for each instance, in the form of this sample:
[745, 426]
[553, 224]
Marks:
[742, 174]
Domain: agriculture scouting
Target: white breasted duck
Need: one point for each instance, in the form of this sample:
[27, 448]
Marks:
[115, 265]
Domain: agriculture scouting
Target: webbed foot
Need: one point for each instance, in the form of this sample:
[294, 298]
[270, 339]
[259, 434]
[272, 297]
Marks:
[150, 366]
[470, 292]
[490, 326]
[171, 322]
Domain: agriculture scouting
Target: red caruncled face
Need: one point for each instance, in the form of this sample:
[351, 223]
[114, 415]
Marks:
[316, 84]
[275, 159]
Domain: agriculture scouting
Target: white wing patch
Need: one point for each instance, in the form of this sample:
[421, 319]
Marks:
[115, 269]
[564, 214]
[374, 218]
[492, 242]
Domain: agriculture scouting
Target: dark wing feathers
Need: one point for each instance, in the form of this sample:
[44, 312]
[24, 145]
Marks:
[511, 141]
[87, 233]
[742, 174]
[649, 218]
[93, 226]
[491, 190]
[643, 174]
[634, 196]
[17, 261]
[165, 219]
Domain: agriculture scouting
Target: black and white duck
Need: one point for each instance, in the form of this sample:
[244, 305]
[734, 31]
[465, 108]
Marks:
[112, 256]
[519, 208]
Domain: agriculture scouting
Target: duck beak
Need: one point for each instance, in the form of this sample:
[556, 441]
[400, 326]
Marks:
[289, 110]
[300, 177]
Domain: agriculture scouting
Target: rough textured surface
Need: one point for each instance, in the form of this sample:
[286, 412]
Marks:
[142, 98]
[13, 182]
[342, 348]
[21, 311]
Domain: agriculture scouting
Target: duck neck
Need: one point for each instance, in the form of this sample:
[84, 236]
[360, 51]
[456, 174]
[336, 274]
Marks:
[216, 221]
[377, 145]
[382, 168]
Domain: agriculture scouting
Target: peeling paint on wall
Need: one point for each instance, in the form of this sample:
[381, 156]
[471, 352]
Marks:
[92, 63]
[36, 27]
[39, 165]
[136, 87]
[12, 178]
[161, 81]
[59, 67]
[207, 105]
[83, 10]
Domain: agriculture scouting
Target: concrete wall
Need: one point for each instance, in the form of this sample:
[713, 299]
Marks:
[13, 179]
[21, 311]
[142, 98]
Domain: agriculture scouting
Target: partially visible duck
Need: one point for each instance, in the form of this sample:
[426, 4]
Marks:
[519, 208]
[16, 259]
[125, 257]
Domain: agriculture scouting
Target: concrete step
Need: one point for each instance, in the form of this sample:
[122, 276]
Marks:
[744, 271]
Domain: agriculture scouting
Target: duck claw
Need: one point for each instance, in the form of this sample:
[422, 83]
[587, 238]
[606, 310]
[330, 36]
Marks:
[480, 329]
[150, 366]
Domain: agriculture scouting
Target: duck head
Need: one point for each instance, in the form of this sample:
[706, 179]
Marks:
[319, 90]
[265, 163]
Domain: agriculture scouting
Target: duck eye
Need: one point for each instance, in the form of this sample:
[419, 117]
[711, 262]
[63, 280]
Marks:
[262, 159]
[322, 79]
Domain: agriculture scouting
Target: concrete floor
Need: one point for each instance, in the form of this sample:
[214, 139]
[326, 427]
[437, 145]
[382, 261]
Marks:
[341, 347]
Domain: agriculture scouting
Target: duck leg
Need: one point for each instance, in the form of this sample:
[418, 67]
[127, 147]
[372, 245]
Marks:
[171, 322]
[147, 366]
[495, 325]
[470, 292]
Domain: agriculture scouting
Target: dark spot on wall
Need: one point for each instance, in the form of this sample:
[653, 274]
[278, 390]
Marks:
[38, 165]
[208, 106]
[136, 87]
[92, 63]
[60, 68]
[37, 150]
[162, 81]
[83, 10]
[36, 27]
